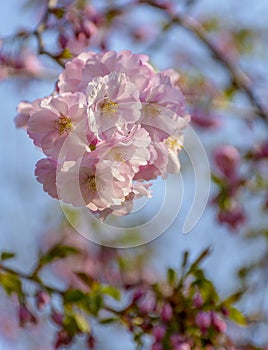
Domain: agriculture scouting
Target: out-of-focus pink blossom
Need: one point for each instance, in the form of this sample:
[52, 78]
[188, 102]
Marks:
[166, 313]
[233, 217]
[159, 332]
[26, 316]
[203, 321]
[204, 120]
[227, 159]
[157, 346]
[218, 323]
[198, 300]
[63, 338]
[42, 299]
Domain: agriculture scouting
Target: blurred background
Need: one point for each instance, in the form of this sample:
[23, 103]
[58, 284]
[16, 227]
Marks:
[221, 115]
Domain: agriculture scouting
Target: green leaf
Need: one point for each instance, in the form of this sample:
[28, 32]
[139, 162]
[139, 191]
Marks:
[171, 276]
[6, 255]
[237, 316]
[73, 296]
[85, 278]
[108, 320]
[10, 283]
[199, 259]
[93, 304]
[57, 252]
[81, 323]
[111, 291]
[233, 298]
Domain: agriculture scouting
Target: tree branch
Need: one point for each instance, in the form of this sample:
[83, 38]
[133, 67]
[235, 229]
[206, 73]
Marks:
[238, 77]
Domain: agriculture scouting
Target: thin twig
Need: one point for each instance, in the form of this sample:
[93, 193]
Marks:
[238, 77]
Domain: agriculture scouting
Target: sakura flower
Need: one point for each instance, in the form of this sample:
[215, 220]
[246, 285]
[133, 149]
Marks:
[131, 149]
[139, 189]
[58, 116]
[45, 173]
[25, 109]
[113, 102]
[163, 108]
[96, 185]
[87, 66]
[157, 163]
[112, 125]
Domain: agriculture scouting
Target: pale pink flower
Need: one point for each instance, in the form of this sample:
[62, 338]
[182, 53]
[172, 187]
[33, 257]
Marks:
[96, 185]
[113, 103]
[163, 109]
[157, 163]
[131, 149]
[139, 189]
[57, 117]
[45, 173]
[25, 109]
[87, 66]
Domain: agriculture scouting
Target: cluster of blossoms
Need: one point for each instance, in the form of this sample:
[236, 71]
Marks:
[227, 159]
[112, 125]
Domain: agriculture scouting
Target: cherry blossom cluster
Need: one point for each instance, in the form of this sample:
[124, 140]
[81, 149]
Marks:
[112, 125]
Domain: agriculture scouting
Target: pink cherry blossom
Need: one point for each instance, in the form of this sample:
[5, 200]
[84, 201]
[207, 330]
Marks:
[113, 103]
[112, 126]
[87, 66]
[56, 118]
[163, 108]
[45, 173]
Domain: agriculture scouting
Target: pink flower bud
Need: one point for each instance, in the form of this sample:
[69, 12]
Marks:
[182, 346]
[91, 342]
[227, 159]
[218, 323]
[159, 332]
[147, 303]
[42, 298]
[63, 338]
[157, 346]
[25, 316]
[175, 340]
[198, 300]
[203, 321]
[57, 318]
[233, 218]
[166, 313]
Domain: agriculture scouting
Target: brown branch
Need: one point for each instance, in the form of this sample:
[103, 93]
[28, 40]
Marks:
[238, 77]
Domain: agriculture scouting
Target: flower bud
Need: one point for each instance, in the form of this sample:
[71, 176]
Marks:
[25, 316]
[198, 300]
[227, 159]
[203, 321]
[91, 342]
[42, 298]
[166, 313]
[159, 332]
[218, 323]
[57, 318]
[63, 338]
[157, 346]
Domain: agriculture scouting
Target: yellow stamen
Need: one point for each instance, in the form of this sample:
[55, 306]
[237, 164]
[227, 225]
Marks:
[173, 143]
[119, 157]
[63, 124]
[91, 184]
[109, 106]
[152, 109]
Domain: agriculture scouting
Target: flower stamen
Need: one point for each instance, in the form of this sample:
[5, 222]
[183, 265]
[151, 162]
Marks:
[63, 124]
